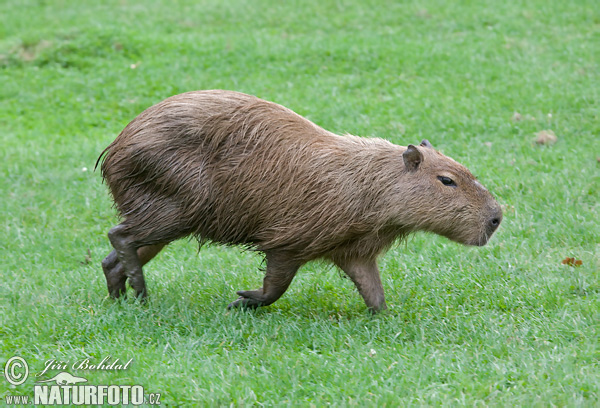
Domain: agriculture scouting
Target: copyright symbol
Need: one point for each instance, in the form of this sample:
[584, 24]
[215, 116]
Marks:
[16, 370]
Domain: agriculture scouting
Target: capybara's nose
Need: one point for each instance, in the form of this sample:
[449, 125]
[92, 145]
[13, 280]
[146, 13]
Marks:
[495, 220]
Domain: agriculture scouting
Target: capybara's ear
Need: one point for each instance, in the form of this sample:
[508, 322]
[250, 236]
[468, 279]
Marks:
[425, 143]
[412, 158]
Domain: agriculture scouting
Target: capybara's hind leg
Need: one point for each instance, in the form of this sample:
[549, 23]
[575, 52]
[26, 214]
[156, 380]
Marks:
[114, 272]
[279, 275]
[126, 252]
[146, 253]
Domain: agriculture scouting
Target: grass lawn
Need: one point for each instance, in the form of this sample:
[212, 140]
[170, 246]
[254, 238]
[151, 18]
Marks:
[503, 325]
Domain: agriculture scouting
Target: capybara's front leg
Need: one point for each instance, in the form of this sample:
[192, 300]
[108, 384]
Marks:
[280, 272]
[365, 275]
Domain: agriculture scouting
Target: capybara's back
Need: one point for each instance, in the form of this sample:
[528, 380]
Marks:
[233, 169]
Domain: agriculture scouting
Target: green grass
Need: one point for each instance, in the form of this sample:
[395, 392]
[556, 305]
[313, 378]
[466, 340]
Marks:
[502, 325]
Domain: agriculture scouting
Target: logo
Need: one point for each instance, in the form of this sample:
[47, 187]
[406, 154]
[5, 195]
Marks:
[16, 370]
[64, 378]
[65, 388]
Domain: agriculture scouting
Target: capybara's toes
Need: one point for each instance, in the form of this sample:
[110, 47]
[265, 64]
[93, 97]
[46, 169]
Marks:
[244, 303]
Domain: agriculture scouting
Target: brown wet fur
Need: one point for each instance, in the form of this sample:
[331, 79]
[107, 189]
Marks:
[233, 169]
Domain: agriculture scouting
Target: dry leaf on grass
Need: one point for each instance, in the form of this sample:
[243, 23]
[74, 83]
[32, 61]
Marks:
[545, 137]
[572, 262]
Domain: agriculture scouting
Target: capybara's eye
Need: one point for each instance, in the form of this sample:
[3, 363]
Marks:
[447, 181]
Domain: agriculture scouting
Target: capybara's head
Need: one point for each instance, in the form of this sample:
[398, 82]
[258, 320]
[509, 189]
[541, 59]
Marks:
[449, 200]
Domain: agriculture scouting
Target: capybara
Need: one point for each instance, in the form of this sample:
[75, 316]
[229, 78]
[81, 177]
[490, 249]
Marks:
[230, 168]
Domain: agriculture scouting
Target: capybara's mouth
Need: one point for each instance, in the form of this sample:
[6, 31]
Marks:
[480, 242]
[485, 238]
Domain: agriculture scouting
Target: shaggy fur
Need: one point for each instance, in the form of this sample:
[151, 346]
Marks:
[233, 169]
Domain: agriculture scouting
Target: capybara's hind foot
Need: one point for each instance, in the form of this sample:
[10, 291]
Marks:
[125, 250]
[115, 281]
[115, 275]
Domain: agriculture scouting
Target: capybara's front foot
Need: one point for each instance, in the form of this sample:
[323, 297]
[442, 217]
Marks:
[249, 299]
